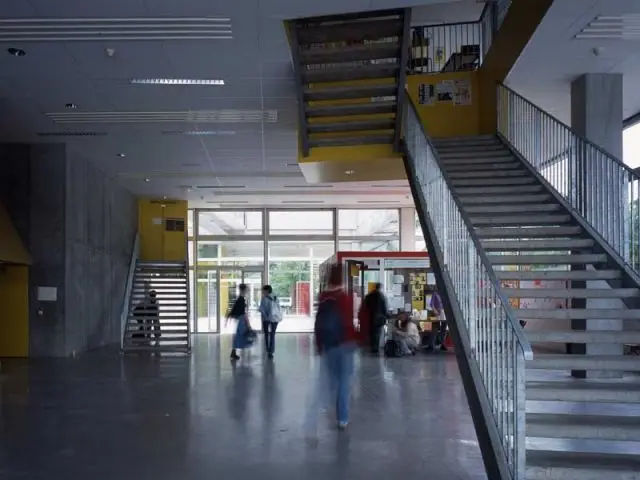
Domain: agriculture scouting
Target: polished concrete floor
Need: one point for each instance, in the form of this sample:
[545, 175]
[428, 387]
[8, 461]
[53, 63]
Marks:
[102, 417]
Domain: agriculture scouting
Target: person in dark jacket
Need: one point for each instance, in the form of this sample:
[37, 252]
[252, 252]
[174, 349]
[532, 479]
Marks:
[376, 307]
[241, 338]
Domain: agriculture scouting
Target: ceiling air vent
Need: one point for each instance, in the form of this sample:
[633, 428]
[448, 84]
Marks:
[113, 29]
[612, 27]
[190, 116]
[72, 134]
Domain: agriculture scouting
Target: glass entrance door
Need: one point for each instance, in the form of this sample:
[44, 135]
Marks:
[230, 280]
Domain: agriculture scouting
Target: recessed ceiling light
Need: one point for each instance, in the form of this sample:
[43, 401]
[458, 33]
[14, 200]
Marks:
[147, 180]
[177, 81]
[121, 155]
[16, 52]
[349, 172]
[72, 106]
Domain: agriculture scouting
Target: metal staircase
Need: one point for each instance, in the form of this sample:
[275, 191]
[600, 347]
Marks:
[351, 72]
[551, 267]
[158, 313]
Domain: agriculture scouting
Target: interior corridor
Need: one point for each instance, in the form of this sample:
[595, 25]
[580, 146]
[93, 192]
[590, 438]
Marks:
[107, 417]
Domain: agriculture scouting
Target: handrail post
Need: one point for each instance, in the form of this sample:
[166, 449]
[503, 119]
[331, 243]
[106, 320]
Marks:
[126, 302]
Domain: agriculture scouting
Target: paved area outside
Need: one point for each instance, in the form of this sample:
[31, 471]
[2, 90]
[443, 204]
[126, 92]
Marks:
[102, 417]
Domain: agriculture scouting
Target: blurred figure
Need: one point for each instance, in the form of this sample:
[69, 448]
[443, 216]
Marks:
[335, 338]
[242, 337]
[271, 315]
[407, 334]
[439, 328]
[376, 308]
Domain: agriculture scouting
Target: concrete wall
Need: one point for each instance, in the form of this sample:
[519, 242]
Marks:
[101, 226]
[79, 227]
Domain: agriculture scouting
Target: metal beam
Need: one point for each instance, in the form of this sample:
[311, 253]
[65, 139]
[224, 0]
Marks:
[402, 76]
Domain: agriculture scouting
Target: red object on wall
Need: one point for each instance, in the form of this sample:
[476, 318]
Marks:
[302, 298]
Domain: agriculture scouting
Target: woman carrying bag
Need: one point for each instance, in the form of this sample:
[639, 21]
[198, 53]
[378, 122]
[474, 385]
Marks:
[244, 336]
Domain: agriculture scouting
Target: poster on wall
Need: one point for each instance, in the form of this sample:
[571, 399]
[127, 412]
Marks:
[445, 91]
[426, 94]
[462, 92]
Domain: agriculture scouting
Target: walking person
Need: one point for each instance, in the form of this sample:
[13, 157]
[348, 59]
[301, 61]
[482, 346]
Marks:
[242, 338]
[335, 338]
[271, 315]
[376, 307]
[438, 333]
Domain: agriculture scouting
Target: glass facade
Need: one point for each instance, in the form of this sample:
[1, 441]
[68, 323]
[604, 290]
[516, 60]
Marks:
[283, 248]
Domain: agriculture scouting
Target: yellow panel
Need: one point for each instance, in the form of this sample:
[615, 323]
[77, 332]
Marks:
[446, 119]
[14, 311]
[12, 250]
[518, 27]
[156, 243]
[340, 165]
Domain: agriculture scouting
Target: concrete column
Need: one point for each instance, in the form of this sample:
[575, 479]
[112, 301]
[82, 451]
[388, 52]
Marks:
[596, 114]
[407, 229]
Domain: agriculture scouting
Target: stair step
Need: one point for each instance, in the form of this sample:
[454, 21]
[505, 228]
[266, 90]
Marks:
[505, 199]
[475, 182]
[586, 336]
[577, 313]
[602, 427]
[507, 233]
[356, 140]
[351, 53]
[584, 390]
[571, 293]
[465, 139]
[482, 167]
[588, 259]
[489, 145]
[168, 336]
[350, 31]
[133, 322]
[352, 126]
[551, 361]
[499, 190]
[578, 275]
[472, 172]
[456, 157]
[523, 208]
[353, 109]
[182, 348]
[386, 70]
[350, 92]
[537, 245]
[549, 465]
[521, 220]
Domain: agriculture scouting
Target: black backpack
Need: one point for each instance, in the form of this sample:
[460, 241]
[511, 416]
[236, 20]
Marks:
[392, 349]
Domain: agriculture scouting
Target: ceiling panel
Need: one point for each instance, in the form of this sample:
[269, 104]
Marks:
[75, 8]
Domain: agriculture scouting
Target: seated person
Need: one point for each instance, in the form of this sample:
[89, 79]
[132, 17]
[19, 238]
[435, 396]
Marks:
[406, 333]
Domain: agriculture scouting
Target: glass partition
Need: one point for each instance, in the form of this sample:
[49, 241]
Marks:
[230, 223]
[301, 222]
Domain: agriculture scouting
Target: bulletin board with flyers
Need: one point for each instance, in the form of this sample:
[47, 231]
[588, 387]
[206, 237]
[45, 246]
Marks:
[418, 283]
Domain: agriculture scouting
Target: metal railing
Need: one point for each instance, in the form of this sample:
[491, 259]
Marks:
[597, 185]
[497, 342]
[126, 302]
[455, 47]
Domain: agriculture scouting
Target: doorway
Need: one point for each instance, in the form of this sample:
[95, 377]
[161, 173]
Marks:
[217, 290]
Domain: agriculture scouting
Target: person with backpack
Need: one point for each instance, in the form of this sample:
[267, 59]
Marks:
[336, 339]
[271, 314]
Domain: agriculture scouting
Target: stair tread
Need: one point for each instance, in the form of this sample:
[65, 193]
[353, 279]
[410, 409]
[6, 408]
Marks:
[555, 361]
[572, 292]
[350, 92]
[562, 465]
[506, 199]
[532, 245]
[367, 30]
[352, 126]
[348, 74]
[350, 53]
[552, 259]
[512, 232]
[371, 139]
[559, 275]
[584, 390]
[529, 220]
[578, 336]
[577, 313]
[352, 109]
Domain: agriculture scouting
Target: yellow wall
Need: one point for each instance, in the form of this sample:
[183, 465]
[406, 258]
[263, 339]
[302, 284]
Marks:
[14, 311]
[156, 243]
[445, 119]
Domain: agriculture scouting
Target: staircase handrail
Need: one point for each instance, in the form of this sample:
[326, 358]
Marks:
[497, 343]
[126, 302]
[592, 181]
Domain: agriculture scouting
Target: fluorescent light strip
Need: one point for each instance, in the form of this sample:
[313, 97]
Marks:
[219, 187]
[302, 202]
[199, 132]
[176, 81]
